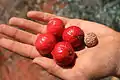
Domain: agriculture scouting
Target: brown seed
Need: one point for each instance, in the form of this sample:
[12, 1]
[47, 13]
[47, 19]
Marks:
[90, 39]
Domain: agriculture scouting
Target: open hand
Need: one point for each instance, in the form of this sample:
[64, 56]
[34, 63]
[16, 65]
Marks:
[91, 63]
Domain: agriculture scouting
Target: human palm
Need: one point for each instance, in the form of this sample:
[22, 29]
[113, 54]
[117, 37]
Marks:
[95, 62]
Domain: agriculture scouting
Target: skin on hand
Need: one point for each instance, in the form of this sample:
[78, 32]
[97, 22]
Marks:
[91, 63]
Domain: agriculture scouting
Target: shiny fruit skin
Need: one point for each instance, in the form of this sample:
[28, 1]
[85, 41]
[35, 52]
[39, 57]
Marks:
[55, 26]
[45, 43]
[63, 53]
[73, 35]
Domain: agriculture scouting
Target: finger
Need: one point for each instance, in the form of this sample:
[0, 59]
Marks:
[17, 34]
[50, 66]
[20, 48]
[114, 78]
[4, 36]
[42, 16]
[27, 24]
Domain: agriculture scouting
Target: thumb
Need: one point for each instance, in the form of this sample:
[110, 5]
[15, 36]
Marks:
[50, 66]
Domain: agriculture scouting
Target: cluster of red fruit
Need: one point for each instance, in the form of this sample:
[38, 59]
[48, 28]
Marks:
[60, 42]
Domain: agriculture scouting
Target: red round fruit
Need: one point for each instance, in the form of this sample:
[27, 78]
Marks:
[55, 26]
[45, 43]
[63, 53]
[73, 35]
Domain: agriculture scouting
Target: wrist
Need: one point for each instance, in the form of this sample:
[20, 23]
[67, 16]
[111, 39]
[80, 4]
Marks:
[118, 62]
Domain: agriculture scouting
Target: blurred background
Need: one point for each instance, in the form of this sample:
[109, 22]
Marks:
[106, 12]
